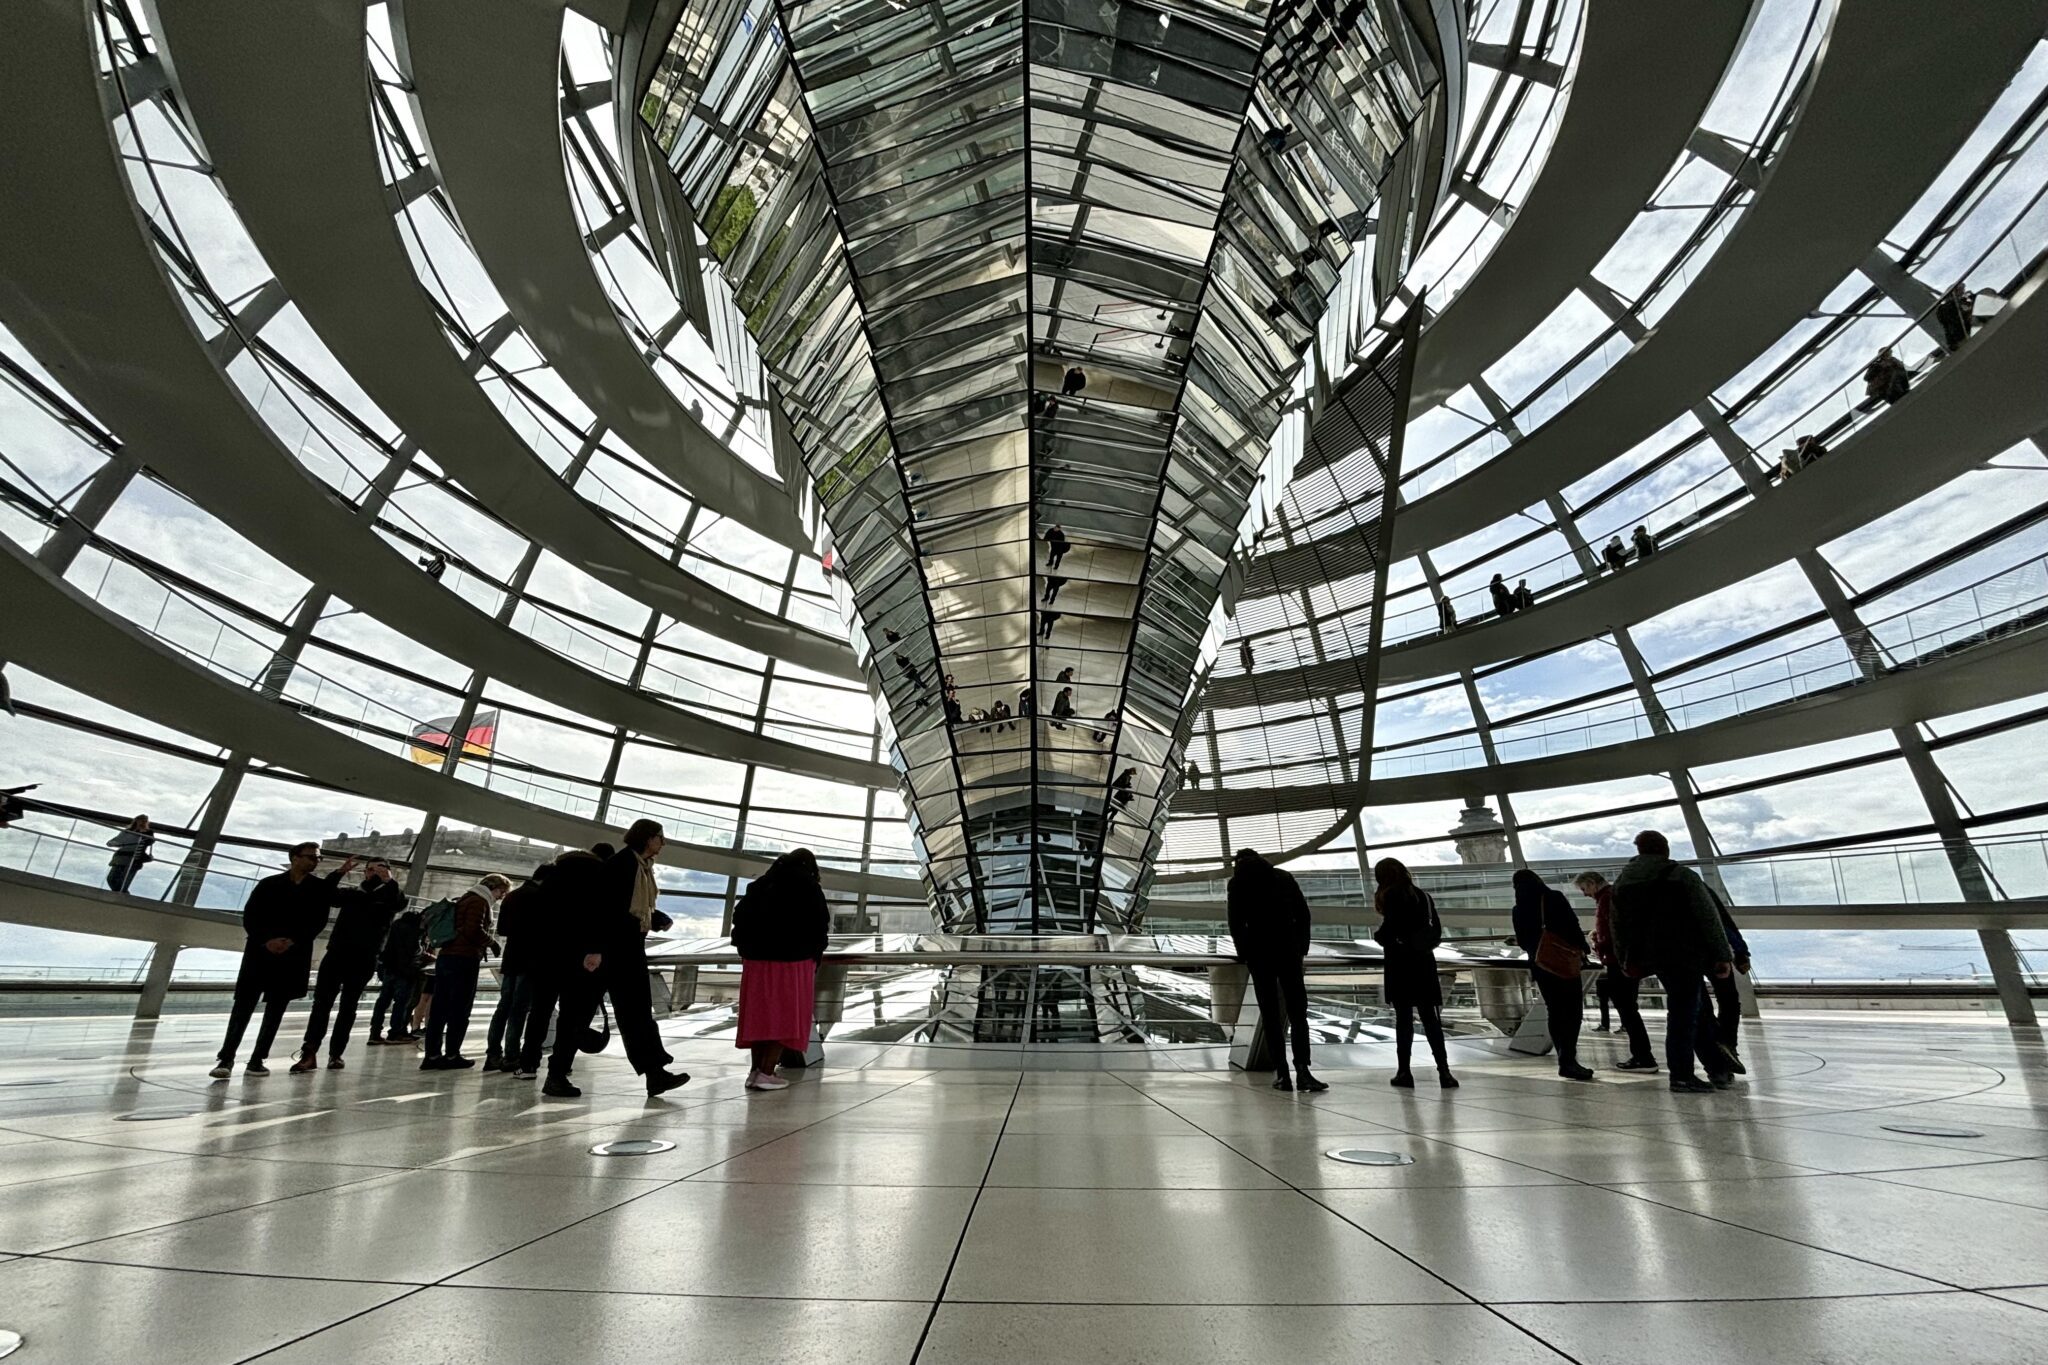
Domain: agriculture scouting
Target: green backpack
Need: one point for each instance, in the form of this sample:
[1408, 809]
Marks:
[437, 923]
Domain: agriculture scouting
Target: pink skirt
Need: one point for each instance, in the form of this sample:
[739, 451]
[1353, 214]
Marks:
[776, 999]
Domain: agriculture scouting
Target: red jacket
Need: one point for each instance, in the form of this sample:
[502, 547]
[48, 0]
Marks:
[1603, 926]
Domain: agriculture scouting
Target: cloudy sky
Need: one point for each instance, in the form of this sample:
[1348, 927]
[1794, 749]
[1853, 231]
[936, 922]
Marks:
[89, 771]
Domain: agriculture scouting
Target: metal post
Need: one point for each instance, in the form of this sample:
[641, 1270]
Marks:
[156, 982]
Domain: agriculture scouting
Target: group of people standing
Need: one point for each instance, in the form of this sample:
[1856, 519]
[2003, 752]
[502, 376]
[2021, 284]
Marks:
[573, 936]
[1658, 918]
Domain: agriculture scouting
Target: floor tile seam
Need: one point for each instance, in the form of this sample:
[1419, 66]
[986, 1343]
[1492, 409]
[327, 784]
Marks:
[654, 1185]
[1678, 1141]
[613, 1293]
[1793, 1241]
[163, 1159]
[1930, 1293]
[1798, 1168]
[1396, 1251]
[73, 1258]
[654, 1188]
[1878, 1177]
[1627, 1194]
[256, 1151]
[382, 1174]
[1907, 1140]
[960, 1242]
[1495, 1156]
[1474, 1306]
[410, 1292]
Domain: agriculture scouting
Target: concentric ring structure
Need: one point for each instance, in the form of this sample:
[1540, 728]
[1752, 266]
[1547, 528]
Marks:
[458, 428]
[1031, 275]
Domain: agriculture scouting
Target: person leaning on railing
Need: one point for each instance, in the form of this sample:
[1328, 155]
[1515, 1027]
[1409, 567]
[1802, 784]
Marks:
[131, 850]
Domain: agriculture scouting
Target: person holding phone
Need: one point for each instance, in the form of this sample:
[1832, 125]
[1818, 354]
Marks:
[285, 912]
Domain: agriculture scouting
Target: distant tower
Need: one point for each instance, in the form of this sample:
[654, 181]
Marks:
[1479, 835]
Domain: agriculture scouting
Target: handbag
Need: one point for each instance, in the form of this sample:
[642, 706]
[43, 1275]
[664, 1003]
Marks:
[597, 1039]
[1558, 957]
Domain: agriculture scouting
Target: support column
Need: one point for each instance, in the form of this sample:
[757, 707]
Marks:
[156, 982]
[1484, 727]
[2007, 972]
[213, 813]
[102, 491]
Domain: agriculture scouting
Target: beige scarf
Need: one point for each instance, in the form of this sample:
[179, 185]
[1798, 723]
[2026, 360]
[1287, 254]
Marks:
[645, 893]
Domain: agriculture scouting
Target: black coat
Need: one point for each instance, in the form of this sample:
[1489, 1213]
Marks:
[563, 927]
[365, 915]
[1551, 912]
[611, 927]
[519, 917]
[1268, 917]
[400, 955]
[1409, 929]
[278, 907]
[781, 918]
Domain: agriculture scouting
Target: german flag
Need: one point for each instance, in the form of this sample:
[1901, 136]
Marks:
[430, 741]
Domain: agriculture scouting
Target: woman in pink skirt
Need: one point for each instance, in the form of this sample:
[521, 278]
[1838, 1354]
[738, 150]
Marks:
[779, 930]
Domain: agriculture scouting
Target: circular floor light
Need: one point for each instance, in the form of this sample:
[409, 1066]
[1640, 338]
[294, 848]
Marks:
[1930, 1130]
[1365, 1156]
[633, 1147]
[155, 1115]
[16, 1085]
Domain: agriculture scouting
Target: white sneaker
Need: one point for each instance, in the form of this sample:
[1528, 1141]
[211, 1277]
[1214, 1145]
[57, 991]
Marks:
[221, 1072]
[768, 1080]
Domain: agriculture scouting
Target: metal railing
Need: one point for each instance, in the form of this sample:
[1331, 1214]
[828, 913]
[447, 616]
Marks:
[1994, 607]
[1923, 873]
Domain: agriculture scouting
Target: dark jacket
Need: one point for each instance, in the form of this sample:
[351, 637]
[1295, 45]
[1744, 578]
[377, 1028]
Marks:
[1547, 909]
[400, 956]
[278, 907]
[571, 928]
[612, 926]
[1665, 918]
[1736, 943]
[1269, 916]
[781, 917]
[365, 915]
[1408, 932]
[519, 916]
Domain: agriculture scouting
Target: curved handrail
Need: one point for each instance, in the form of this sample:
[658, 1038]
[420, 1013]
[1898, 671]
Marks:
[1838, 412]
[1990, 608]
[228, 648]
[1918, 872]
[283, 404]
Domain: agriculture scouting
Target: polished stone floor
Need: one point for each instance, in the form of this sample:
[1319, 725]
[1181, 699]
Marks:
[1164, 1209]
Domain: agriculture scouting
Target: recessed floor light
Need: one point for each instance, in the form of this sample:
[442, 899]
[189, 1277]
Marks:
[1362, 1156]
[152, 1115]
[633, 1147]
[1929, 1130]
